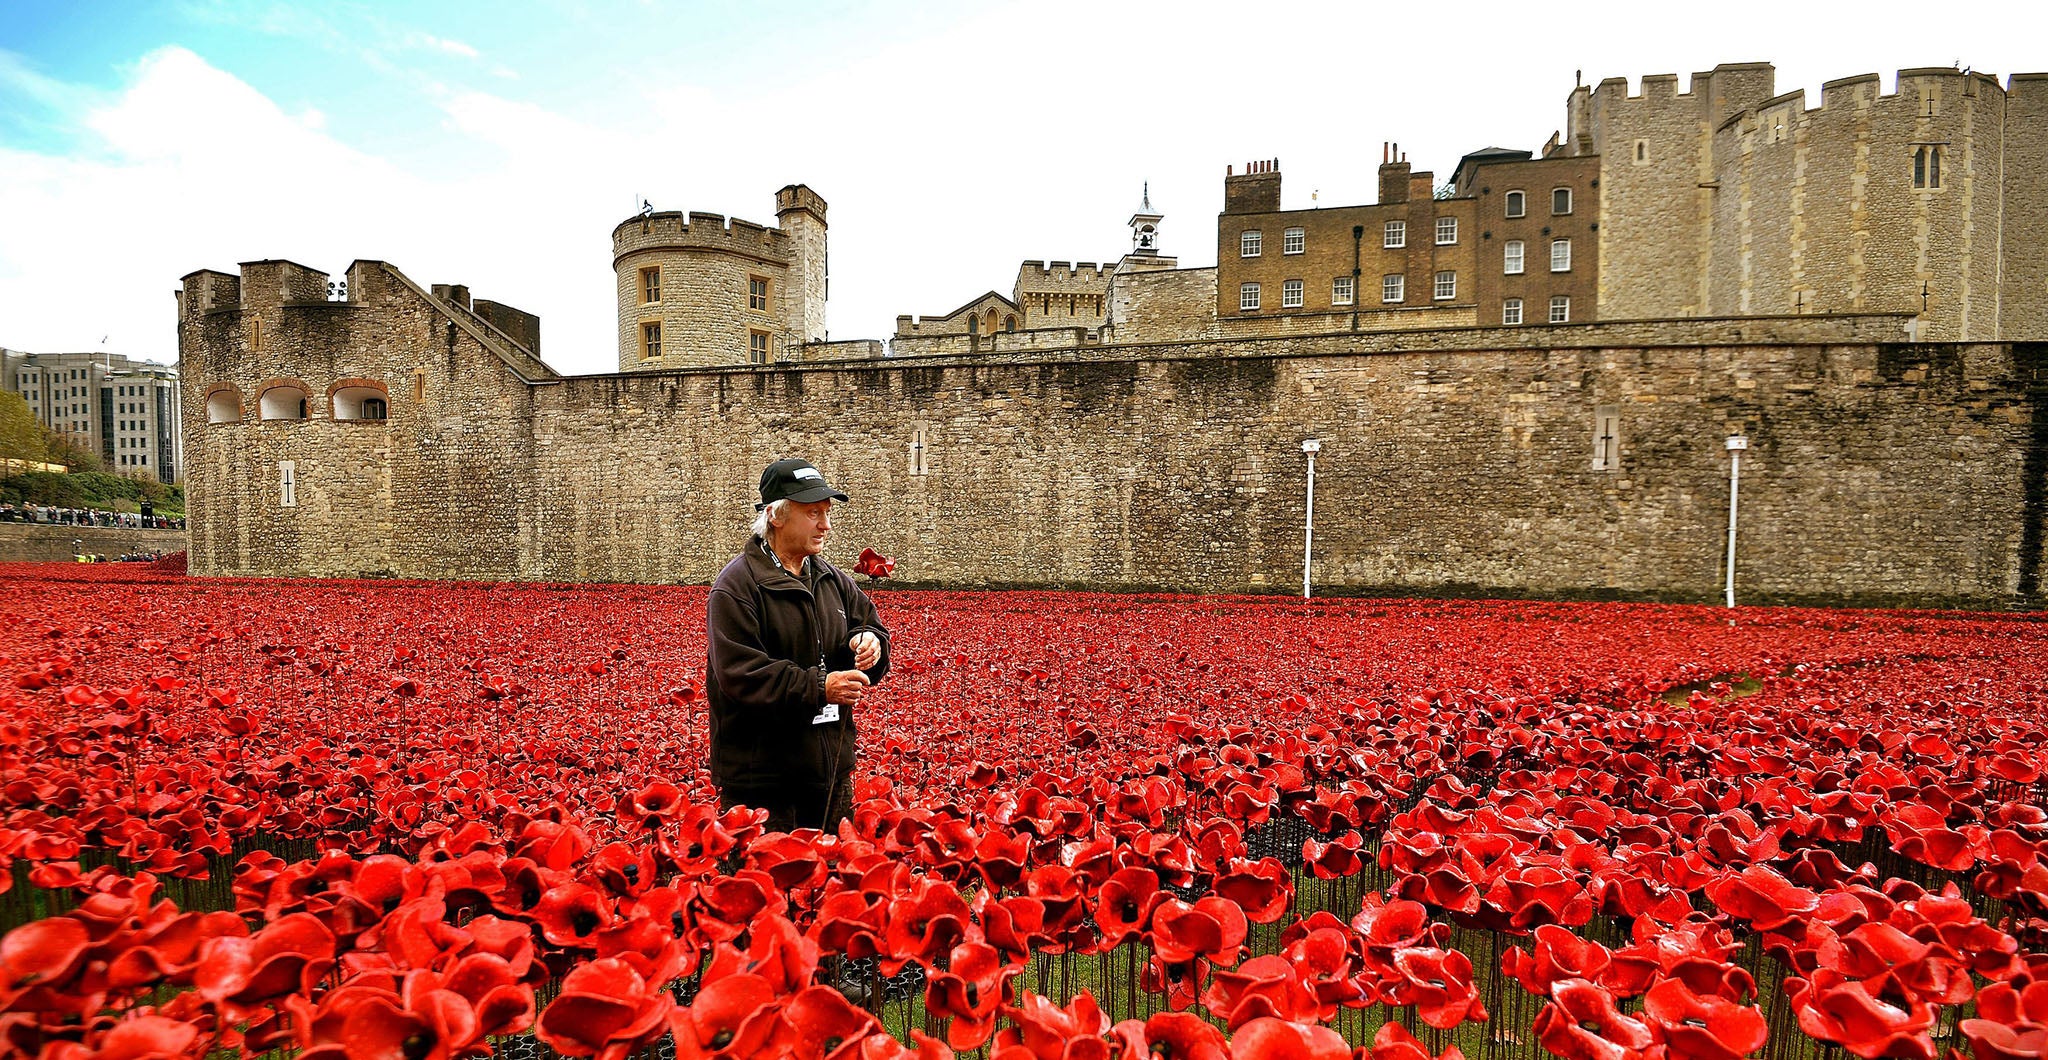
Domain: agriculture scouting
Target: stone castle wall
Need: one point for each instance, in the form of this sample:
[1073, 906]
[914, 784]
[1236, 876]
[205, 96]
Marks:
[1727, 199]
[1656, 212]
[2023, 291]
[1452, 460]
[1163, 305]
[48, 543]
[1817, 208]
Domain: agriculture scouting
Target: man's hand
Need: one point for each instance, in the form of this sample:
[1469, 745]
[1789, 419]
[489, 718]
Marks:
[867, 650]
[844, 687]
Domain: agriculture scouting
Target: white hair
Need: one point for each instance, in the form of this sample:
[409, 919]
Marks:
[769, 515]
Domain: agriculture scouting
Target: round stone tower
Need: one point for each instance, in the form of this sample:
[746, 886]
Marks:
[698, 290]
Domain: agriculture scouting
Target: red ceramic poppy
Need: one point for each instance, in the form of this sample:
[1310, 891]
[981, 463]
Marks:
[1268, 1038]
[1557, 955]
[925, 925]
[1042, 1030]
[571, 914]
[1124, 903]
[1439, 984]
[973, 985]
[1706, 1028]
[1176, 1035]
[605, 1010]
[731, 1017]
[42, 952]
[873, 564]
[1582, 1023]
[1833, 1009]
[1262, 889]
[818, 1023]
[1211, 928]
[1763, 897]
[1395, 1042]
[1264, 986]
[288, 956]
[147, 1037]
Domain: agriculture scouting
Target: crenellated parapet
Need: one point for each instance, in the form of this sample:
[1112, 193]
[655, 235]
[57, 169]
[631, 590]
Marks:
[1596, 116]
[674, 230]
[1063, 277]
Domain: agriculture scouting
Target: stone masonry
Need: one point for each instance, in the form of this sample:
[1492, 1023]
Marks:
[1726, 199]
[1453, 461]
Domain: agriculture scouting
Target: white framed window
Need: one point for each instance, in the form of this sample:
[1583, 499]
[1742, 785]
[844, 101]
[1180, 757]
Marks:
[288, 483]
[1606, 438]
[1290, 294]
[1511, 311]
[1248, 244]
[1446, 231]
[1340, 291]
[1511, 257]
[1560, 255]
[1517, 204]
[1293, 241]
[1560, 309]
[1395, 235]
[1393, 288]
[757, 347]
[1247, 297]
[1560, 200]
[1446, 286]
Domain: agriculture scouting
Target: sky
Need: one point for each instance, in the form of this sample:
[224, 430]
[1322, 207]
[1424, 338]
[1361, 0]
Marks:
[497, 144]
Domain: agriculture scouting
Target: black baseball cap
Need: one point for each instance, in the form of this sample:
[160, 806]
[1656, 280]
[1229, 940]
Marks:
[795, 480]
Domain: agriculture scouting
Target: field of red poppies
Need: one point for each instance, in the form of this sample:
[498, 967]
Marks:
[423, 821]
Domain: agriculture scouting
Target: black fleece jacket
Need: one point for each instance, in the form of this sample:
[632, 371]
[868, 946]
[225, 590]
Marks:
[773, 636]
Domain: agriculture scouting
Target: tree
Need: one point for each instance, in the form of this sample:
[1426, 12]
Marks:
[71, 450]
[21, 437]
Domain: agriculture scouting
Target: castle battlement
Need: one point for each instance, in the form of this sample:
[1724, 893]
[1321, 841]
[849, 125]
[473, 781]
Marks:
[1064, 270]
[1655, 88]
[674, 230]
[793, 197]
[1929, 93]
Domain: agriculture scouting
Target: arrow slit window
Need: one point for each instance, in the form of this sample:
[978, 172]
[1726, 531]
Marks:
[1606, 438]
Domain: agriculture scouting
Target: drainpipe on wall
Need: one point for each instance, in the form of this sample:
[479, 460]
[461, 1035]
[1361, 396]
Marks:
[1308, 533]
[1736, 445]
[1357, 240]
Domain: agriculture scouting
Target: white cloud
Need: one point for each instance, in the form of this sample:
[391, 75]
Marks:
[188, 167]
[949, 152]
[443, 44]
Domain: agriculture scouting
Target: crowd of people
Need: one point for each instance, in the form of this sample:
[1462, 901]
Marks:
[47, 514]
[132, 557]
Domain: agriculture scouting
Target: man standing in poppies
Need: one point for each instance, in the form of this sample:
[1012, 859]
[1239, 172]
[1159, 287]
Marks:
[794, 644]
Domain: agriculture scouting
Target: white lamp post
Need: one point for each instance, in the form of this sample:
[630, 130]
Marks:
[1308, 533]
[1736, 444]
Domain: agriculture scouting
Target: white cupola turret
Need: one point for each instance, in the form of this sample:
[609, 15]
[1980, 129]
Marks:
[1145, 226]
